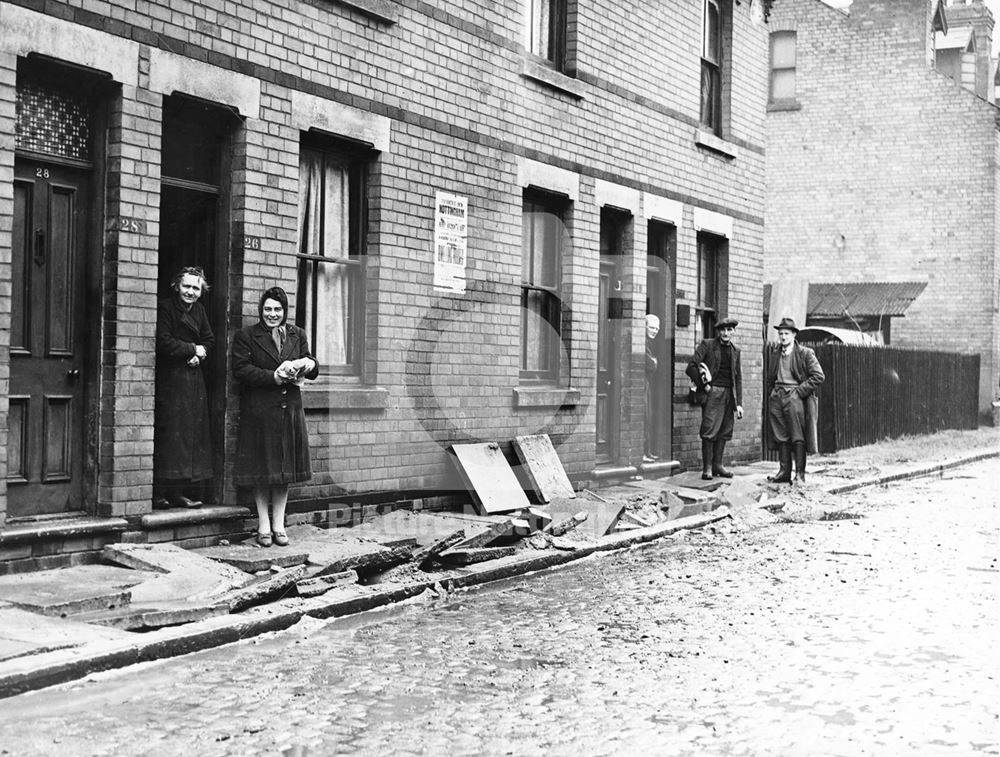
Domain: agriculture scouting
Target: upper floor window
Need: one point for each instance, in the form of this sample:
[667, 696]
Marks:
[712, 277]
[782, 66]
[331, 243]
[542, 239]
[547, 30]
[713, 50]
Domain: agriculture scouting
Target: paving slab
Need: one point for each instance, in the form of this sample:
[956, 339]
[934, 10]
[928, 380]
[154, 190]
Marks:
[601, 516]
[66, 591]
[154, 615]
[261, 589]
[250, 557]
[169, 558]
[542, 467]
[470, 556]
[28, 633]
[693, 480]
[489, 478]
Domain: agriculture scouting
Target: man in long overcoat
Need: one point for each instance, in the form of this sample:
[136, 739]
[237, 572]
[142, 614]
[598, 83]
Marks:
[723, 394]
[790, 382]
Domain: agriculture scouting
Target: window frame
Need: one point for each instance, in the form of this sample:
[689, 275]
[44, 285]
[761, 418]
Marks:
[713, 52]
[358, 161]
[549, 18]
[774, 69]
[536, 201]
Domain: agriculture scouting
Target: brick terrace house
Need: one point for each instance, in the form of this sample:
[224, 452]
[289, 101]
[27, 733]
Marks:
[473, 206]
[882, 168]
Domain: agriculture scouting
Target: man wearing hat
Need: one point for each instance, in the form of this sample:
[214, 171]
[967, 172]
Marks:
[722, 385]
[790, 382]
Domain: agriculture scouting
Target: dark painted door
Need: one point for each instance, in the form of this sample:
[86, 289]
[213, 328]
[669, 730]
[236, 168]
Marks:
[47, 354]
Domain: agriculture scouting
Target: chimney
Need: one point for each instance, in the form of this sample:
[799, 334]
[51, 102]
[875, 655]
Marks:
[904, 27]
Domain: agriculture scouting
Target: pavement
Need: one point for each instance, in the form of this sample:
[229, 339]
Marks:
[62, 625]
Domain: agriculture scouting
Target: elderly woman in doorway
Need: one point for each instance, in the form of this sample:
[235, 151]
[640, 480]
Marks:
[182, 445]
[270, 360]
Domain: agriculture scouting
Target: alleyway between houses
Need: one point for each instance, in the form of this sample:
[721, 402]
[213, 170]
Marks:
[868, 633]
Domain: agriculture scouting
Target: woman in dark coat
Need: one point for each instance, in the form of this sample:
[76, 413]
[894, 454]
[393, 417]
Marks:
[270, 360]
[182, 446]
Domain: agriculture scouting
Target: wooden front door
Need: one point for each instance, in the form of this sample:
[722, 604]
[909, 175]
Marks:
[47, 340]
[609, 321]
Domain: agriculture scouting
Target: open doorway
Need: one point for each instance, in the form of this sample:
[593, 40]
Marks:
[194, 231]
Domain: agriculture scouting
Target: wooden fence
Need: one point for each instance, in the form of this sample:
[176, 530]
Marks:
[873, 393]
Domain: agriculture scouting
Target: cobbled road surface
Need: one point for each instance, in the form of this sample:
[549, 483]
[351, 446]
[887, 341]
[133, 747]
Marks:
[869, 635]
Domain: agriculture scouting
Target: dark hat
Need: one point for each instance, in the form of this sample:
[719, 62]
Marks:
[725, 322]
[787, 324]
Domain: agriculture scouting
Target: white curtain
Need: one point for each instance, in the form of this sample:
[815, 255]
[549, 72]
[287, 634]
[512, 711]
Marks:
[324, 226]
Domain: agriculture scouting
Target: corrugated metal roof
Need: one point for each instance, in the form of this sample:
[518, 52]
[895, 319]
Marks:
[859, 298]
[863, 298]
[959, 38]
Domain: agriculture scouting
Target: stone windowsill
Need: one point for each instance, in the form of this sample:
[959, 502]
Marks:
[778, 105]
[59, 528]
[710, 141]
[553, 79]
[386, 11]
[321, 396]
[545, 396]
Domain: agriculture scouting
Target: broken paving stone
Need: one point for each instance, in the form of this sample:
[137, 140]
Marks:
[491, 533]
[538, 541]
[489, 478]
[373, 561]
[536, 517]
[636, 519]
[254, 559]
[470, 556]
[564, 544]
[67, 591]
[601, 515]
[311, 587]
[567, 524]
[425, 556]
[258, 591]
[154, 616]
[542, 467]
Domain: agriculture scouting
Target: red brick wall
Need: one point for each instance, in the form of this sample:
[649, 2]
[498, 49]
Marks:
[448, 79]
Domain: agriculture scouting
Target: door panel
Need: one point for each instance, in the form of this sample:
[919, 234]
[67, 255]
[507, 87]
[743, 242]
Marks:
[45, 443]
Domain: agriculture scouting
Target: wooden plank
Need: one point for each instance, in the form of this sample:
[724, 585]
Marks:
[489, 478]
[542, 467]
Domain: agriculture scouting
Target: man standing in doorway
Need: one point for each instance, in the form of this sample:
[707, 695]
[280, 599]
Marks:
[793, 373]
[723, 392]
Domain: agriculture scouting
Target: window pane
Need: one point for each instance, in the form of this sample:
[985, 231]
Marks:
[539, 335]
[541, 14]
[783, 50]
[710, 95]
[541, 242]
[783, 84]
[330, 291]
[712, 41]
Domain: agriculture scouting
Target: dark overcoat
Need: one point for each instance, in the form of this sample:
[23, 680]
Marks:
[709, 352]
[272, 445]
[182, 446]
[808, 373]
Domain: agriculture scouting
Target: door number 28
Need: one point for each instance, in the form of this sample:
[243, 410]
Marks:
[41, 173]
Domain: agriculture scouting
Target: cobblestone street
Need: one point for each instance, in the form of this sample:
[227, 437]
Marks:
[869, 634]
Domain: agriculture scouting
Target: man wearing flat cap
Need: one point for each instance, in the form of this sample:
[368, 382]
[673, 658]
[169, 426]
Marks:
[721, 385]
[790, 382]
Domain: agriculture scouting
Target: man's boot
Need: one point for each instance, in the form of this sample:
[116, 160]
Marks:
[717, 467]
[784, 474]
[706, 459]
[800, 462]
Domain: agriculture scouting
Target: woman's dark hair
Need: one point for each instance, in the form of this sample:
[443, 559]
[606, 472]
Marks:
[198, 271]
[278, 295]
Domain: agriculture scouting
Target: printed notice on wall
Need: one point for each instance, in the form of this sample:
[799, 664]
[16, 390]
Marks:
[451, 228]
